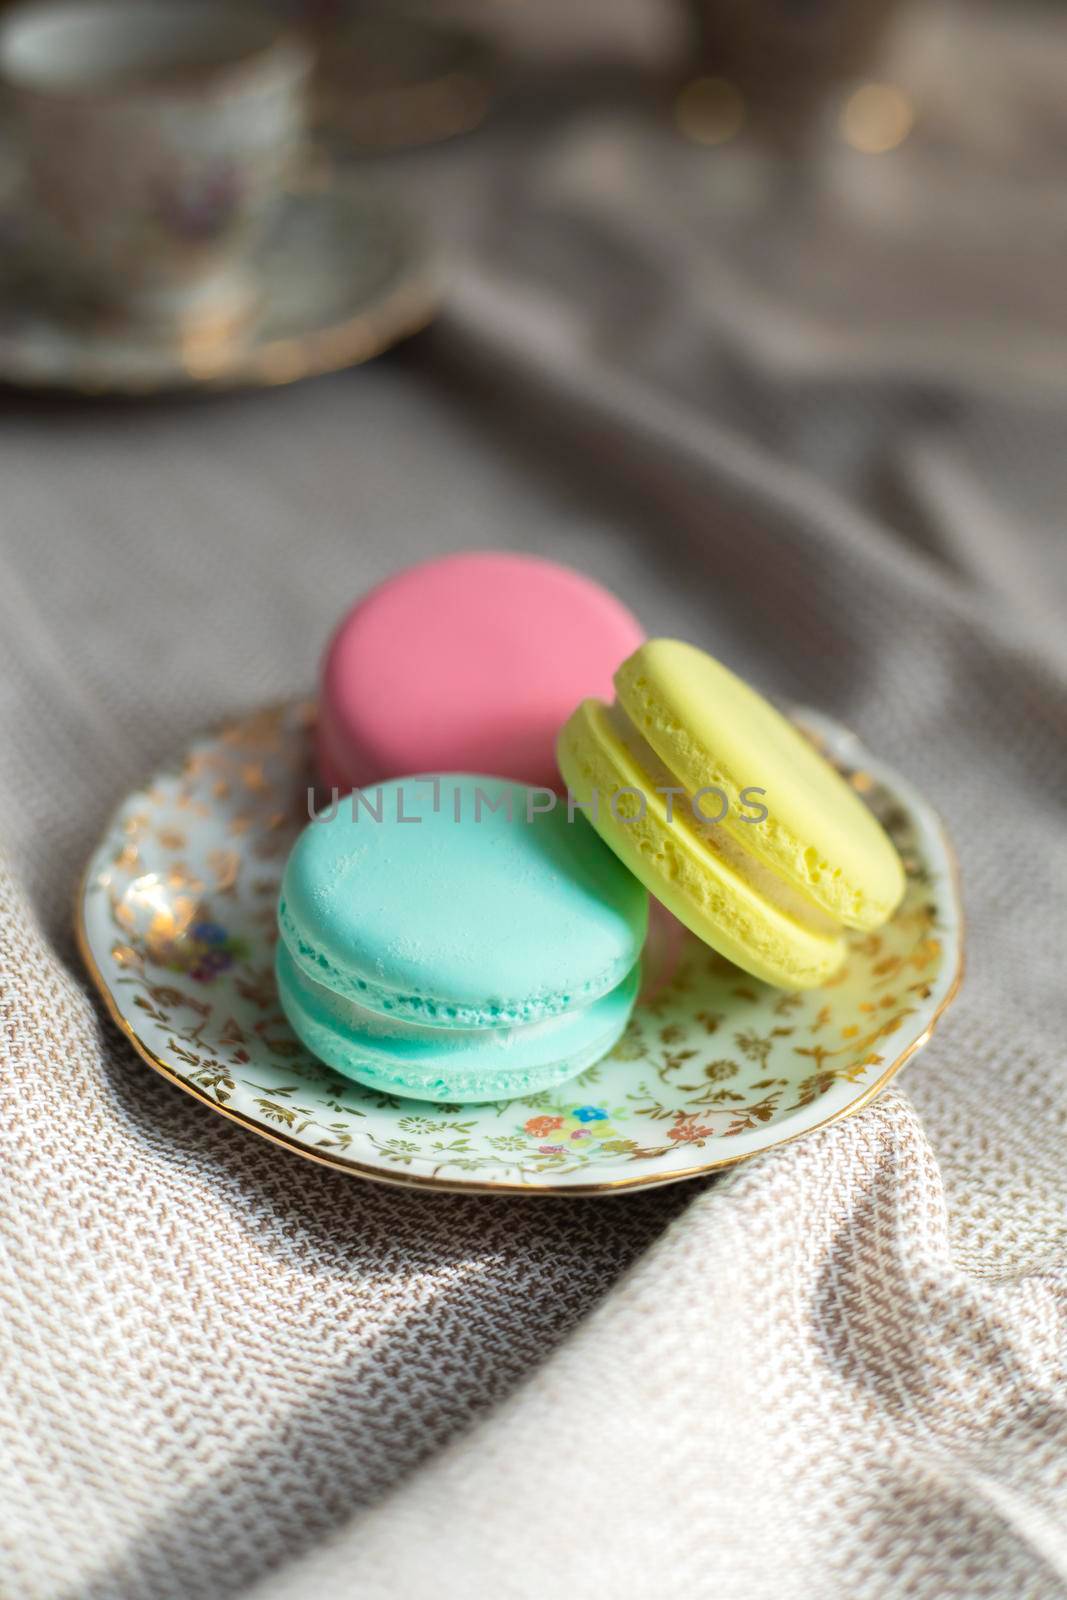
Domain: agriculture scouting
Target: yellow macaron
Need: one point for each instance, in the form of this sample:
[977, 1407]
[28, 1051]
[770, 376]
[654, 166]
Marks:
[726, 813]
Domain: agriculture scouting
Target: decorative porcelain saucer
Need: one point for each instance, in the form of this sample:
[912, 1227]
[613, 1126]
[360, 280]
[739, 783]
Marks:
[175, 920]
[340, 279]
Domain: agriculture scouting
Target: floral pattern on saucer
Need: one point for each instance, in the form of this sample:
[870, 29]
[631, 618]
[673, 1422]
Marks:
[177, 925]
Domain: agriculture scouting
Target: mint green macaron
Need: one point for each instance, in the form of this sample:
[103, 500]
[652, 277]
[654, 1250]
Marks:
[457, 938]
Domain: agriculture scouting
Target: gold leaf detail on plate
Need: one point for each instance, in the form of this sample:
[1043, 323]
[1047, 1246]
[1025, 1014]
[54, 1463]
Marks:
[254, 778]
[225, 866]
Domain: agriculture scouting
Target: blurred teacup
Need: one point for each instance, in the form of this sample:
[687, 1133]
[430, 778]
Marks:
[154, 139]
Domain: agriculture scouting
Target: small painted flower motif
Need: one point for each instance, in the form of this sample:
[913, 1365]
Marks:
[210, 965]
[196, 207]
[719, 1071]
[550, 1149]
[581, 1133]
[686, 1132]
[540, 1127]
[590, 1114]
[205, 951]
[631, 1046]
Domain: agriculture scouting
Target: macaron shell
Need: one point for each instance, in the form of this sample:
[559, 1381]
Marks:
[470, 663]
[450, 1064]
[674, 860]
[482, 922]
[711, 728]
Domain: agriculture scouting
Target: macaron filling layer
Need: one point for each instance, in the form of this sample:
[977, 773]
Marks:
[437, 1010]
[675, 860]
[727, 842]
[712, 728]
[449, 1062]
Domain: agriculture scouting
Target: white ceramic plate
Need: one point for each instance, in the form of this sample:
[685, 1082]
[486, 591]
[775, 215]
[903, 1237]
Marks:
[175, 920]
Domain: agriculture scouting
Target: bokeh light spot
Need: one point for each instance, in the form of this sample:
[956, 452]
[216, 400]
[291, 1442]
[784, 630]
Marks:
[709, 111]
[876, 118]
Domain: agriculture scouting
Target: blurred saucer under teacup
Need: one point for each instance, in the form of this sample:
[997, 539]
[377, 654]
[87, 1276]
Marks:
[153, 140]
[339, 277]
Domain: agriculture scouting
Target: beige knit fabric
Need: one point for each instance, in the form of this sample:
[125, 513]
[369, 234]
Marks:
[836, 1372]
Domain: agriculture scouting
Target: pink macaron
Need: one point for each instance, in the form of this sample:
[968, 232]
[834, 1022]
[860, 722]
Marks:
[470, 663]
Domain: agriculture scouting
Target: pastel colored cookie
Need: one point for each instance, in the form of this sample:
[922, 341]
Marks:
[470, 663]
[447, 938]
[459, 1064]
[693, 744]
